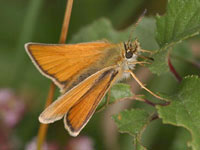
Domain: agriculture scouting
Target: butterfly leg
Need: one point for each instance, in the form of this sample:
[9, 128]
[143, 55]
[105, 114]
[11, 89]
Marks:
[146, 51]
[139, 62]
[142, 85]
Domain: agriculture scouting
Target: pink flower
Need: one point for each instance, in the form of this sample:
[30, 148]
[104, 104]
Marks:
[11, 108]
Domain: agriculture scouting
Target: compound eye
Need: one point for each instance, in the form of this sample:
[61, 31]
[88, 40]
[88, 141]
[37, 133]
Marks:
[129, 54]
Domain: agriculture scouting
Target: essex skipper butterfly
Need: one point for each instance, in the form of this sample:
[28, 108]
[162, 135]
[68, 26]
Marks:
[84, 72]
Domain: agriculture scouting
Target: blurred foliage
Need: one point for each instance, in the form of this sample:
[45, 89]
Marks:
[41, 21]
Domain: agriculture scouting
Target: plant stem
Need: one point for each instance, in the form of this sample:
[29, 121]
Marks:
[66, 20]
[43, 127]
[173, 70]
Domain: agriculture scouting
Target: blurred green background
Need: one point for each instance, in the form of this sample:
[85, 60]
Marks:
[40, 21]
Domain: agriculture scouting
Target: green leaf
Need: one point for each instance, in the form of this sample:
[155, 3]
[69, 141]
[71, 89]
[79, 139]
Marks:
[132, 121]
[181, 21]
[184, 109]
[159, 64]
[179, 52]
[118, 91]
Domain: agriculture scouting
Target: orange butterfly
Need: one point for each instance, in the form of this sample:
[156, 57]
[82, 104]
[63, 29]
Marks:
[84, 73]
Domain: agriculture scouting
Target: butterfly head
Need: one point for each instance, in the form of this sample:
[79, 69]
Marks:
[131, 49]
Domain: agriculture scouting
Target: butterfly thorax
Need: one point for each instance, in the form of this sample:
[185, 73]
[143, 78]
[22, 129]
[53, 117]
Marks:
[130, 54]
[123, 54]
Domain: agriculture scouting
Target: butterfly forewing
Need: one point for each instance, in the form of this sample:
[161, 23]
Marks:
[67, 65]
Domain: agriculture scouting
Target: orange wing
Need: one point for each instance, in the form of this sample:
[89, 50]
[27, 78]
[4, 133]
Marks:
[79, 103]
[65, 63]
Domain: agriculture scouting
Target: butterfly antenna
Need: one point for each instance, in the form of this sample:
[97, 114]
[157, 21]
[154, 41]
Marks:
[135, 25]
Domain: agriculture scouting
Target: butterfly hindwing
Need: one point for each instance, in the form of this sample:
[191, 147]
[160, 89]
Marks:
[80, 113]
[93, 88]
